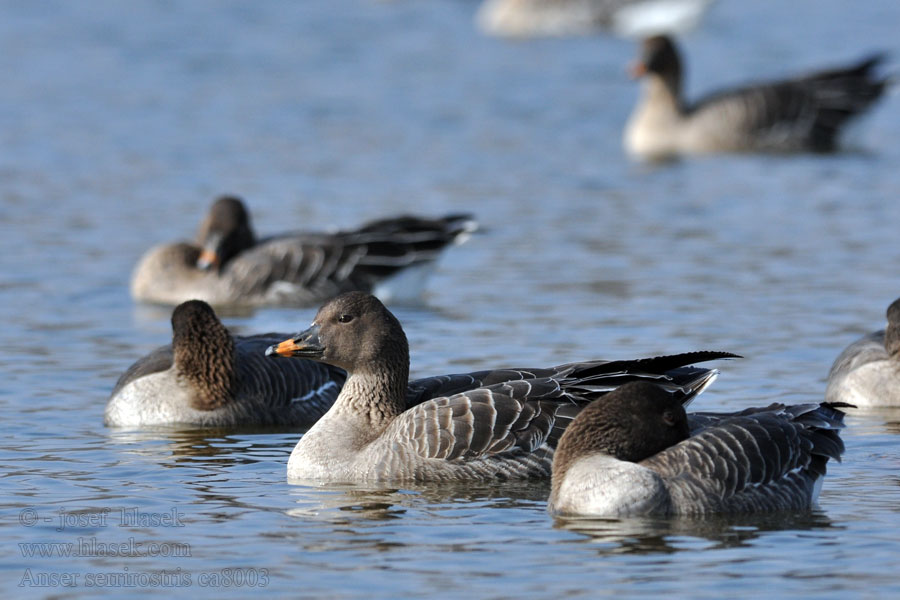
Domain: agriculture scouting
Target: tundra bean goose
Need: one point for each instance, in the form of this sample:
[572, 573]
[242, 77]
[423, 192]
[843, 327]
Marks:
[636, 452]
[802, 114]
[229, 266]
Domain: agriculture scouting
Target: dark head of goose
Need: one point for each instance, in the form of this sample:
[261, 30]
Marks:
[630, 423]
[660, 57]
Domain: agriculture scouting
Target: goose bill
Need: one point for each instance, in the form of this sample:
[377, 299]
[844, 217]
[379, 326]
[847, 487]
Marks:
[209, 254]
[304, 345]
[637, 69]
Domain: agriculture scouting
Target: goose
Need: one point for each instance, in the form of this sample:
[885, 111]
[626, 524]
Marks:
[637, 453]
[867, 372]
[206, 377]
[505, 429]
[800, 114]
[229, 267]
[520, 18]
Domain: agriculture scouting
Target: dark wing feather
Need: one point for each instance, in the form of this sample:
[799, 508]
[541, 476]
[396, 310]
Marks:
[654, 365]
[810, 109]
[591, 377]
[324, 265]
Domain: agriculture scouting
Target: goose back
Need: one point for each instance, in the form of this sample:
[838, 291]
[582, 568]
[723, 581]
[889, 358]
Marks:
[804, 113]
[773, 458]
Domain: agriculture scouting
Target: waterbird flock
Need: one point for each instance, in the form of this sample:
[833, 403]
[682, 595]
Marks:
[612, 436]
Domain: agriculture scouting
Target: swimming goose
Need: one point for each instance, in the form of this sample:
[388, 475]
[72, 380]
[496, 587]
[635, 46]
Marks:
[228, 266]
[519, 18]
[800, 114]
[636, 452]
[505, 429]
[867, 372]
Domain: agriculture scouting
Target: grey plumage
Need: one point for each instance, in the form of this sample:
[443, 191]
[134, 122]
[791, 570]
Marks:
[804, 113]
[491, 425]
[229, 267]
[867, 372]
[757, 460]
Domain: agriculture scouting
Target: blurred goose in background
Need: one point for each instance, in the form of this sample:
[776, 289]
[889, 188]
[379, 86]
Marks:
[800, 114]
[867, 372]
[505, 429]
[636, 452]
[229, 266]
[520, 18]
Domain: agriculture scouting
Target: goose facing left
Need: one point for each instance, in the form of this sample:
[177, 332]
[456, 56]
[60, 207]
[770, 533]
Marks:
[229, 266]
[799, 114]
[504, 428]
[207, 377]
[638, 453]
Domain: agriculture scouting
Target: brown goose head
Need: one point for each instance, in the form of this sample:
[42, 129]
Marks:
[354, 332]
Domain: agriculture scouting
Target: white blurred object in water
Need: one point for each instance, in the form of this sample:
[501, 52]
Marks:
[631, 18]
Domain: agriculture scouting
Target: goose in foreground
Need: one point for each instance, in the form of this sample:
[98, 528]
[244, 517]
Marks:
[520, 18]
[867, 372]
[636, 452]
[229, 266]
[800, 114]
[504, 429]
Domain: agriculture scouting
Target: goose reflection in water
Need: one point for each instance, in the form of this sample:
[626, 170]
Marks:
[652, 535]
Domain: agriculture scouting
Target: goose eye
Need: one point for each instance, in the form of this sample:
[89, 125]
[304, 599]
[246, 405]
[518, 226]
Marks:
[669, 418]
[345, 318]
